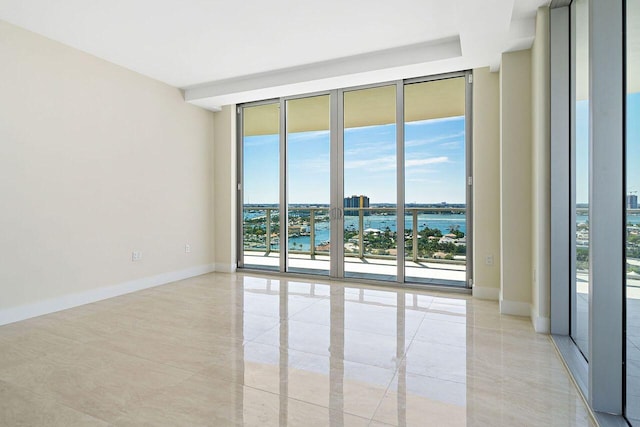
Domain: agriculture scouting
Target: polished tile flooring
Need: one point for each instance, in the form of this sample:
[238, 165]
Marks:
[240, 349]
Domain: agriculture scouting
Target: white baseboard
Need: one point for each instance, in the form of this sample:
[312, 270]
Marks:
[541, 325]
[22, 312]
[515, 308]
[485, 292]
[226, 268]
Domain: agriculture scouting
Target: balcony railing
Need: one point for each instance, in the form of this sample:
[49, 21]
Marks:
[263, 224]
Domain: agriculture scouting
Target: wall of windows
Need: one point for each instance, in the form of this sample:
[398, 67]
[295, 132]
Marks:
[632, 246]
[580, 177]
[367, 182]
[308, 149]
[260, 196]
[371, 233]
[595, 58]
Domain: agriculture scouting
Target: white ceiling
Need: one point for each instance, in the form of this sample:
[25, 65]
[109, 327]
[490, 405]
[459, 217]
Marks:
[225, 52]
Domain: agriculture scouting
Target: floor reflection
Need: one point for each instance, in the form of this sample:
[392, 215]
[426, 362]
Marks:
[242, 349]
[398, 357]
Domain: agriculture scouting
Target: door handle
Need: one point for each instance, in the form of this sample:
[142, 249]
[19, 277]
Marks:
[335, 213]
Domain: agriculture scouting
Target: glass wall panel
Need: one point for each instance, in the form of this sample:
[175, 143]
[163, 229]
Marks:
[435, 230]
[370, 177]
[261, 186]
[293, 175]
[580, 294]
[633, 213]
[308, 184]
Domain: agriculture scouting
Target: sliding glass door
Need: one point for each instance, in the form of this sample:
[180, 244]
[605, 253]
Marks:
[580, 179]
[260, 216]
[595, 130]
[632, 290]
[436, 167]
[308, 184]
[368, 183]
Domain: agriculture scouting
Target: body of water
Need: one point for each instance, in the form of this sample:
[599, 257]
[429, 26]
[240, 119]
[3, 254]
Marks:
[633, 219]
[442, 222]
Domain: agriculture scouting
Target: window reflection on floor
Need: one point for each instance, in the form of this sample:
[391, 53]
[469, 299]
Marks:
[399, 355]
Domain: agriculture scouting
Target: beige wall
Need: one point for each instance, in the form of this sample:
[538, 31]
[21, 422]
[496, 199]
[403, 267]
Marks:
[96, 161]
[225, 189]
[541, 198]
[486, 183]
[515, 182]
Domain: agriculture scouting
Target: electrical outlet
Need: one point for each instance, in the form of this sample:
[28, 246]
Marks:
[187, 248]
[488, 260]
[136, 256]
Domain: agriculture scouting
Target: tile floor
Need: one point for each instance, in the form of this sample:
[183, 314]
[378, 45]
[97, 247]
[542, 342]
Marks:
[240, 349]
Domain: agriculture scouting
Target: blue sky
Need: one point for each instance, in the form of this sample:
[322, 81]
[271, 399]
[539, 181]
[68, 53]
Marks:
[582, 147]
[434, 164]
[582, 151]
[434, 161]
[633, 143]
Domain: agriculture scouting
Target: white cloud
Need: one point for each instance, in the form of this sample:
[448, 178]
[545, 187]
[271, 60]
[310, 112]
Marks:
[419, 171]
[390, 162]
[420, 142]
[352, 149]
[452, 144]
[424, 162]
[312, 165]
[424, 180]
[379, 163]
[305, 136]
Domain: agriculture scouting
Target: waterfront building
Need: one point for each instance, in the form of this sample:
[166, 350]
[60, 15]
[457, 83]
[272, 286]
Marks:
[356, 202]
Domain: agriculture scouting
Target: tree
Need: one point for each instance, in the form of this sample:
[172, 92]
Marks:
[455, 229]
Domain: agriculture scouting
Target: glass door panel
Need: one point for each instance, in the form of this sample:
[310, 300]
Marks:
[435, 229]
[580, 293]
[320, 176]
[308, 184]
[260, 181]
[370, 177]
[633, 214]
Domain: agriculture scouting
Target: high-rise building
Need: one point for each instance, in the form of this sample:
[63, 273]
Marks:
[632, 201]
[356, 202]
